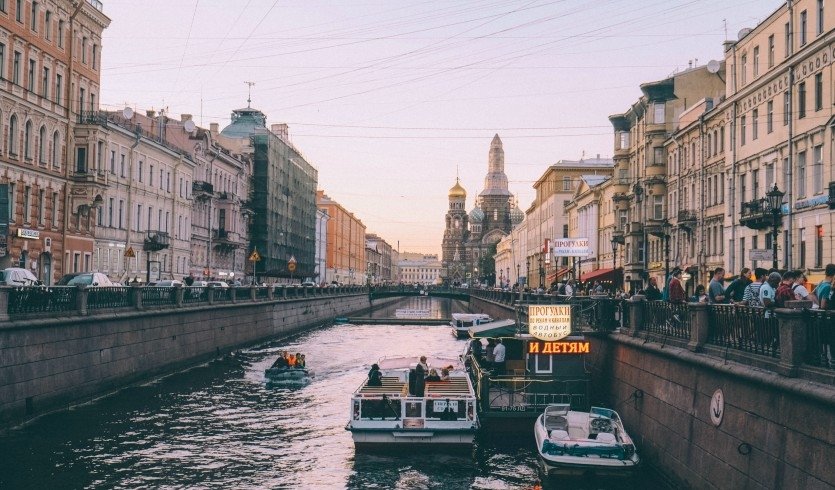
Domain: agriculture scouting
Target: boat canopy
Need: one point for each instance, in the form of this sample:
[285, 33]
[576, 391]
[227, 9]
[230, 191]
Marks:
[500, 328]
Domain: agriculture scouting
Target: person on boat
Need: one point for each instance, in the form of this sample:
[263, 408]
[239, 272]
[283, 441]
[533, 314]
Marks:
[445, 374]
[291, 360]
[433, 376]
[281, 362]
[299, 361]
[499, 354]
[375, 377]
[489, 352]
[419, 377]
[475, 349]
[424, 364]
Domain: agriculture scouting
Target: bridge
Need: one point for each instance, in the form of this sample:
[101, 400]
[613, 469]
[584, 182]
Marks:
[377, 292]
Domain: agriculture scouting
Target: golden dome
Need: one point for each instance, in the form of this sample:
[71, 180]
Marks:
[457, 190]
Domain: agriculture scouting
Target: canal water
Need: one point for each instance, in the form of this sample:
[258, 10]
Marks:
[219, 425]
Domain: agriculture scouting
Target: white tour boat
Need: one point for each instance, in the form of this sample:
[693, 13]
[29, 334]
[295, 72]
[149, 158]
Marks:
[397, 414]
[576, 443]
[461, 323]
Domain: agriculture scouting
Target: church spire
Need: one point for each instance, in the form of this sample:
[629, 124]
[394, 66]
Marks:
[496, 181]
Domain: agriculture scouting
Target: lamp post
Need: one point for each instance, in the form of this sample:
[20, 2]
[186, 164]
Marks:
[615, 263]
[666, 227]
[775, 202]
[541, 273]
[527, 270]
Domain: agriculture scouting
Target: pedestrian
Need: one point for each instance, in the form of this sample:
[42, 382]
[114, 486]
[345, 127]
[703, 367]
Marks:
[677, 294]
[569, 288]
[751, 295]
[700, 296]
[825, 286]
[652, 292]
[784, 291]
[499, 357]
[189, 280]
[768, 291]
[715, 290]
[801, 292]
[736, 289]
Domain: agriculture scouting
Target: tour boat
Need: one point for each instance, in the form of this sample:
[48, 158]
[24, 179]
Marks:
[288, 375]
[396, 414]
[461, 323]
[578, 443]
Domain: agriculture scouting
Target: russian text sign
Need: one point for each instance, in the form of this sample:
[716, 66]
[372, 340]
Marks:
[549, 322]
[571, 247]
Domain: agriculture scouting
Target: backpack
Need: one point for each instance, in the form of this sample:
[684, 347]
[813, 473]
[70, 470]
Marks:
[784, 293]
[561, 291]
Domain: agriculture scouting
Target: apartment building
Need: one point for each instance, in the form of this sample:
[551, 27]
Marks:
[346, 250]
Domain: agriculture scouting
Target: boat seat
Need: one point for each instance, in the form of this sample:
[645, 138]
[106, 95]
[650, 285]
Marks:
[556, 422]
[558, 435]
[606, 437]
[577, 432]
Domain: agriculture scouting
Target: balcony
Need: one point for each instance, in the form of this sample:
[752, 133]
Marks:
[224, 240]
[687, 219]
[156, 241]
[756, 215]
[226, 196]
[202, 190]
[618, 236]
[831, 200]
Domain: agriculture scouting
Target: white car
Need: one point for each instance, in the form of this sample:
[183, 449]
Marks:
[15, 276]
[217, 284]
[85, 278]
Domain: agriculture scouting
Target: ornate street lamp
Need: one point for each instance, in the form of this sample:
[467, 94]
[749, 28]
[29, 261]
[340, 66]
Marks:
[615, 262]
[665, 228]
[775, 202]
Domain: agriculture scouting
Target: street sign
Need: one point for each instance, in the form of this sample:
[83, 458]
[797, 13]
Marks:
[291, 264]
[130, 253]
[254, 256]
[571, 247]
[761, 254]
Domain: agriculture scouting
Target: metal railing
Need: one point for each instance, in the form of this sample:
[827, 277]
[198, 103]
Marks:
[195, 294]
[242, 293]
[42, 300]
[158, 296]
[671, 320]
[744, 328]
[108, 297]
[820, 338]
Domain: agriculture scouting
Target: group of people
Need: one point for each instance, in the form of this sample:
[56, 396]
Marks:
[768, 288]
[492, 357]
[421, 375]
[288, 360]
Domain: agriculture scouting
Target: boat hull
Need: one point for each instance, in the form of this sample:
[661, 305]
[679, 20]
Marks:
[288, 376]
[460, 333]
[411, 438]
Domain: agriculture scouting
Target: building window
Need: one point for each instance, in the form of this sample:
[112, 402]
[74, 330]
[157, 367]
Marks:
[769, 117]
[138, 217]
[110, 213]
[60, 33]
[658, 207]
[801, 100]
[755, 184]
[27, 140]
[19, 10]
[658, 155]
[122, 165]
[742, 131]
[801, 174]
[121, 214]
[45, 84]
[786, 108]
[2, 60]
[769, 175]
[13, 136]
[658, 113]
[42, 145]
[16, 68]
[771, 51]
[95, 56]
[623, 140]
[817, 170]
[30, 79]
[58, 79]
[12, 202]
[788, 34]
[141, 170]
[803, 28]
[54, 209]
[41, 206]
[113, 162]
[743, 69]
[47, 28]
[55, 149]
[802, 233]
[151, 176]
[27, 212]
[819, 245]
[33, 22]
[755, 119]
[81, 98]
[818, 91]
[819, 29]
[566, 183]
[756, 61]
[84, 50]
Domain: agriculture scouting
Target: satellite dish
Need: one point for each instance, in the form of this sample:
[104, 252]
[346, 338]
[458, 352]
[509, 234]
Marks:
[189, 126]
[127, 112]
[713, 66]
[743, 32]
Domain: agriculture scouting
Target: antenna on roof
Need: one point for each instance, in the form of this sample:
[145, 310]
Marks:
[249, 93]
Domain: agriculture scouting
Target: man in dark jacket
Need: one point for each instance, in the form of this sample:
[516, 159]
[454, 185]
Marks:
[652, 292]
[736, 289]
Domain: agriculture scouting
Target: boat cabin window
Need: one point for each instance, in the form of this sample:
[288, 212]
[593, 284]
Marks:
[377, 408]
[414, 409]
[446, 409]
[543, 364]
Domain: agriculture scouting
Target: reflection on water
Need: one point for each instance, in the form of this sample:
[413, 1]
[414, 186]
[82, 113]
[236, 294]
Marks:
[220, 426]
[439, 308]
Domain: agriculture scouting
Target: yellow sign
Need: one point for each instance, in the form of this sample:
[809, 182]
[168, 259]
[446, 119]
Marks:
[254, 256]
[291, 264]
[558, 347]
[130, 253]
[549, 322]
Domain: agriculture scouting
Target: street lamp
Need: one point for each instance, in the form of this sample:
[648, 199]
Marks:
[527, 270]
[775, 202]
[615, 262]
[665, 228]
[541, 273]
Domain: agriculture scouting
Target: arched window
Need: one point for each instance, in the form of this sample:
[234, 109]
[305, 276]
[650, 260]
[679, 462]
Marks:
[42, 145]
[13, 135]
[55, 147]
[27, 140]
[715, 142]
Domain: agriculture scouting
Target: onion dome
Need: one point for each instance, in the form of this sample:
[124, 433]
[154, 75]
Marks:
[457, 190]
[516, 215]
[477, 215]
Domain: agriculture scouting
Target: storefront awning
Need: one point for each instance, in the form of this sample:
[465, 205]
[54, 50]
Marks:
[598, 275]
[499, 328]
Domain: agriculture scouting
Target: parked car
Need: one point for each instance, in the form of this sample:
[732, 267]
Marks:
[167, 283]
[308, 282]
[16, 276]
[85, 278]
[217, 284]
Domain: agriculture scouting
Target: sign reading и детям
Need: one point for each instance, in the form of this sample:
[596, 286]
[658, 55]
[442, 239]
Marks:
[549, 322]
[574, 347]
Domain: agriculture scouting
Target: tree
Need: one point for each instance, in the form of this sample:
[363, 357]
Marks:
[487, 265]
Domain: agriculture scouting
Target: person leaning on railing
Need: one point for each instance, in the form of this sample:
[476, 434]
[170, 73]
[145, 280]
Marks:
[677, 294]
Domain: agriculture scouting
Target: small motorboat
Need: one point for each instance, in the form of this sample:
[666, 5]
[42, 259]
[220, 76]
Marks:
[578, 443]
[281, 373]
[461, 323]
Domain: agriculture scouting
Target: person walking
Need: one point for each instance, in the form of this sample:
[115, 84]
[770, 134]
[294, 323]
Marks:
[715, 290]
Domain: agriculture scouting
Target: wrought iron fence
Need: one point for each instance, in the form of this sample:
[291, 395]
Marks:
[195, 294]
[744, 328]
[820, 338]
[669, 319]
[42, 300]
[158, 296]
[108, 297]
[263, 292]
[221, 294]
[242, 293]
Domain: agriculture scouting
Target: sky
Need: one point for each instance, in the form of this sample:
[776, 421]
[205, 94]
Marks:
[391, 100]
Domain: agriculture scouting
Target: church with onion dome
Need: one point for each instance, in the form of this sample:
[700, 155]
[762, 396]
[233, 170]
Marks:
[470, 238]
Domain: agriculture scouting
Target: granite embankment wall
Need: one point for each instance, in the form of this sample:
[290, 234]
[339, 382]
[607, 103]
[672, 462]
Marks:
[52, 363]
[775, 431]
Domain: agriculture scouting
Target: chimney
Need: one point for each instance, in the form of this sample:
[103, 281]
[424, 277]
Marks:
[728, 45]
[151, 113]
[689, 63]
[185, 117]
[214, 128]
[280, 130]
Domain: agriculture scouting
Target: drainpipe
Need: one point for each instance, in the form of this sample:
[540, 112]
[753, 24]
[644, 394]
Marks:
[128, 206]
[174, 209]
[701, 222]
[789, 146]
[732, 251]
[209, 219]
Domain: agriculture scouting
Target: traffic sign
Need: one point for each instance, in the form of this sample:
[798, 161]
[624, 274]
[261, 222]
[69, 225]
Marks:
[130, 253]
[254, 256]
[291, 264]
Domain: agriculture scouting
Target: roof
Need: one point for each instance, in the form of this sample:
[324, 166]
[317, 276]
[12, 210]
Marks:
[594, 180]
[245, 122]
[499, 328]
[457, 190]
